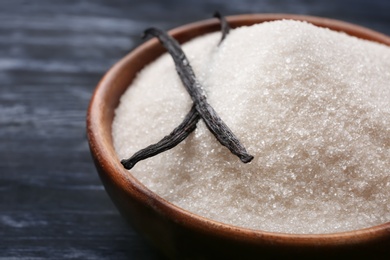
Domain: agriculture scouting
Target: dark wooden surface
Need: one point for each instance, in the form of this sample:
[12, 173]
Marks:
[52, 54]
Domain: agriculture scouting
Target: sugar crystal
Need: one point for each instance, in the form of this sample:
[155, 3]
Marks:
[310, 104]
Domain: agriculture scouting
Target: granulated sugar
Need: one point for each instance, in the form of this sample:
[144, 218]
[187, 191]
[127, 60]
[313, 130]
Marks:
[310, 104]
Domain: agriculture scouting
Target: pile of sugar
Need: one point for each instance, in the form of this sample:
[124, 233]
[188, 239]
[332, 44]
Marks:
[310, 104]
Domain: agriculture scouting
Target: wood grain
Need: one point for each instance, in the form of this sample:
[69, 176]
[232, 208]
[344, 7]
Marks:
[52, 55]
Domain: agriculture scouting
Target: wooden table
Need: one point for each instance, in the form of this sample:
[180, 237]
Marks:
[52, 54]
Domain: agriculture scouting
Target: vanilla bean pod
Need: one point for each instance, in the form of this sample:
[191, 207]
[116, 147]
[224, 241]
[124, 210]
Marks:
[179, 133]
[225, 28]
[213, 122]
[168, 142]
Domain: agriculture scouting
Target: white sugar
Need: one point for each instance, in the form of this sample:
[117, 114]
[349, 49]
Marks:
[310, 104]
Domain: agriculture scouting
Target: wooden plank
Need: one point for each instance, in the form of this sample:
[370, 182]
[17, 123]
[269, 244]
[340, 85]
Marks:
[52, 54]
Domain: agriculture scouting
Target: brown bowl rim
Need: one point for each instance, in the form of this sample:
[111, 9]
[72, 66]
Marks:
[104, 154]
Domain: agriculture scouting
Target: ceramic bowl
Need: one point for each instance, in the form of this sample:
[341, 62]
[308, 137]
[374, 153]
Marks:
[180, 234]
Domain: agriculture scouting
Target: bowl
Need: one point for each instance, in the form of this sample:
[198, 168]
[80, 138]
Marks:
[180, 234]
